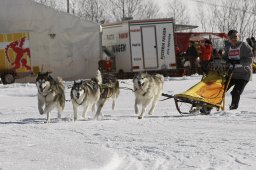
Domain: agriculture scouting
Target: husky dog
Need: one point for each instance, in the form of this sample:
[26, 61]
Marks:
[85, 93]
[147, 89]
[108, 89]
[50, 94]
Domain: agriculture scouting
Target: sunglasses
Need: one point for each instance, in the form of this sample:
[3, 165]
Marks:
[233, 37]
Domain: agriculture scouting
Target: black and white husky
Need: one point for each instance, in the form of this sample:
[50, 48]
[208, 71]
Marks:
[50, 94]
[108, 89]
[147, 89]
[85, 93]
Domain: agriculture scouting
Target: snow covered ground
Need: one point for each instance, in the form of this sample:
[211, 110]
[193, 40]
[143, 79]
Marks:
[165, 140]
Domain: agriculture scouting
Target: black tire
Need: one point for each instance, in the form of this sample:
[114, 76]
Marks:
[8, 78]
[121, 74]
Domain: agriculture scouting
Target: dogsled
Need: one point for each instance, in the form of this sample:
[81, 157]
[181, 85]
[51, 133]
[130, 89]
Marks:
[207, 94]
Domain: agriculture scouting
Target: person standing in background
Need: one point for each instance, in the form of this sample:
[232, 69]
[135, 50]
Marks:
[206, 55]
[253, 47]
[192, 55]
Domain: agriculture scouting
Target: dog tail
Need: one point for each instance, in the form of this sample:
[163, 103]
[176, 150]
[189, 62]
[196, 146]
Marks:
[160, 77]
[60, 81]
[118, 88]
[99, 77]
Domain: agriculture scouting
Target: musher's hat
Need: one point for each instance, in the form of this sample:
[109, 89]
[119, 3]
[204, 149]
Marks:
[232, 33]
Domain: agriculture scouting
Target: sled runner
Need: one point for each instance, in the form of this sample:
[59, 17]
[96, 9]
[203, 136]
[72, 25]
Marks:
[208, 93]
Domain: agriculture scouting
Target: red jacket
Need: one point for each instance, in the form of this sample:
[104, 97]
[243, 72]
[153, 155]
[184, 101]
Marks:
[206, 52]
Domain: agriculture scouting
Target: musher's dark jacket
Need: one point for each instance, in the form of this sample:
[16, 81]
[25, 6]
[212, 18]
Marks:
[243, 65]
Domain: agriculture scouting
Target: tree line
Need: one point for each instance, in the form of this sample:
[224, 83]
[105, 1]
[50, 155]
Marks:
[211, 15]
[224, 15]
[117, 10]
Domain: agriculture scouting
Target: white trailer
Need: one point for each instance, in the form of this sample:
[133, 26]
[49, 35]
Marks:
[141, 45]
[62, 43]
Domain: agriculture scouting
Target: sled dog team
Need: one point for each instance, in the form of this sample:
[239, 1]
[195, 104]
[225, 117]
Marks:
[95, 92]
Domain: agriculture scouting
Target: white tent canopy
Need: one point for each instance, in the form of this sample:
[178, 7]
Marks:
[59, 42]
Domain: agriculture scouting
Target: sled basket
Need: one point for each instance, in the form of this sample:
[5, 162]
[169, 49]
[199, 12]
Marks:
[209, 92]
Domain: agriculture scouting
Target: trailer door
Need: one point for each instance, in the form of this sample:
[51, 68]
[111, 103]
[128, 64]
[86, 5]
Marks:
[149, 47]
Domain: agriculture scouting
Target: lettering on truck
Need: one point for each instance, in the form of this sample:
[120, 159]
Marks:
[163, 43]
[110, 36]
[136, 45]
[169, 44]
[135, 30]
[119, 48]
[123, 35]
[137, 59]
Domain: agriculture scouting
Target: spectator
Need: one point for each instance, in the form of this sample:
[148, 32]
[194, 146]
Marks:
[177, 50]
[249, 42]
[192, 54]
[206, 54]
[253, 47]
[220, 53]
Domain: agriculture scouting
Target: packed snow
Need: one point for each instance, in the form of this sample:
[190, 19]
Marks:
[164, 141]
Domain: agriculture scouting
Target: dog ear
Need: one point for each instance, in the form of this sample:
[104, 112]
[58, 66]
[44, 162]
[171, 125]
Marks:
[48, 73]
[82, 82]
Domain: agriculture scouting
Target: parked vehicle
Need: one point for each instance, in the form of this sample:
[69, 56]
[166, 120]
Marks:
[34, 37]
[140, 45]
[15, 57]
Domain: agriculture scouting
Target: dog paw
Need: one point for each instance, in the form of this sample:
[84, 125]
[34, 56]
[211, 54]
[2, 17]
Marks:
[86, 118]
[98, 118]
[140, 117]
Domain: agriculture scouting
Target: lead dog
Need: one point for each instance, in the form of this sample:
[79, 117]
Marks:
[85, 93]
[50, 94]
[108, 89]
[147, 90]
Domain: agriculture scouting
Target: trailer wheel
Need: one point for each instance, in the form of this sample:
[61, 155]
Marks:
[8, 78]
[120, 74]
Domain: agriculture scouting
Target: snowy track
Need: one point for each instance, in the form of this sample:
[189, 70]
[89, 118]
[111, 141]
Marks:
[165, 140]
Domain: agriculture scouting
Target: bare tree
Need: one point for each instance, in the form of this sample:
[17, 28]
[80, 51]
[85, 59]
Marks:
[148, 9]
[251, 31]
[93, 10]
[235, 14]
[202, 17]
[121, 9]
[178, 11]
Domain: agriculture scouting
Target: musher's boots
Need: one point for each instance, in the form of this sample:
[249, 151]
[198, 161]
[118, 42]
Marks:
[235, 100]
[233, 107]
[205, 110]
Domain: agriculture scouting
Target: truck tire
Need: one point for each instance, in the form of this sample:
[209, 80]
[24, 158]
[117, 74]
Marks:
[121, 74]
[8, 78]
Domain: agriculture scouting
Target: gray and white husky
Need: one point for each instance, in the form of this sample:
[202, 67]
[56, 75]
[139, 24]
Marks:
[85, 93]
[147, 89]
[108, 89]
[51, 94]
